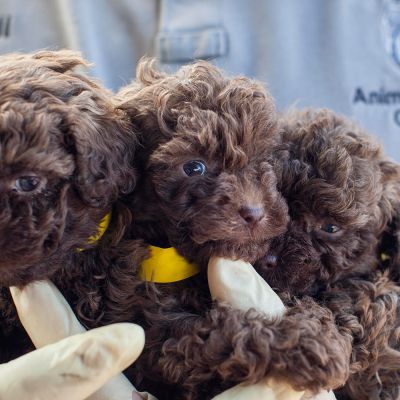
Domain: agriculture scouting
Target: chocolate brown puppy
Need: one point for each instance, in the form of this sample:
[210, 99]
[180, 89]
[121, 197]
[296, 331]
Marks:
[343, 196]
[332, 175]
[65, 159]
[207, 187]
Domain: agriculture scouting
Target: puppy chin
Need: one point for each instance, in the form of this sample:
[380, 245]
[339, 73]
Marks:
[248, 251]
[17, 275]
[28, 260]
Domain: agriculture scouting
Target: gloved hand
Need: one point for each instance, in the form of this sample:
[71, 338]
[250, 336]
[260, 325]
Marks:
[75, 367]
[72, 368]
[66, 367]
[226, 282]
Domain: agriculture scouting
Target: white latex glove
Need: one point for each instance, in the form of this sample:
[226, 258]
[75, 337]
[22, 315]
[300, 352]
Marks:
[238, 283]
[72, 368]
[88, 359]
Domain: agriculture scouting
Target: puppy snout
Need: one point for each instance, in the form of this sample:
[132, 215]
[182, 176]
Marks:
[252, 214]
[271, 261]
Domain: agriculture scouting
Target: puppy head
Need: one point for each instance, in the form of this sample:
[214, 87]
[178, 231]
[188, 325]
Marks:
[330, 174]
[207, 187]
[64, 158]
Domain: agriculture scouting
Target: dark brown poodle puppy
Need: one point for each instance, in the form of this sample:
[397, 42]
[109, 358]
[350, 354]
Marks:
[207, 188]
[205, 184]
[65, 158]
[341, 194]
[343, 197]
[64, 155]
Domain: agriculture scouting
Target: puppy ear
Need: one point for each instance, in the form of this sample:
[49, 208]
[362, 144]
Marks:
[97, 134]
[389, 248]
[103, 148]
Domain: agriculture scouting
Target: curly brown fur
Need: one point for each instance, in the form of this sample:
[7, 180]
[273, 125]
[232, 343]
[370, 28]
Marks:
[232, 346]
[376, 361]
[195, 349]
[60, 129]
[102, 285]
[389, 247]
[369, 309]
[230, 126]
[197, 114]
[333, 175]
[65, 158]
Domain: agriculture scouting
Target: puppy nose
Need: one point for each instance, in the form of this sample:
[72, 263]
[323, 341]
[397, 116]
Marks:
[271, 261]
[251, 214]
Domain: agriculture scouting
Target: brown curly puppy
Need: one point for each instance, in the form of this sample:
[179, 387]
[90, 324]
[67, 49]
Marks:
[343, 196]
[206, 187]
[330, 173]
[65, 158]
[204, 139]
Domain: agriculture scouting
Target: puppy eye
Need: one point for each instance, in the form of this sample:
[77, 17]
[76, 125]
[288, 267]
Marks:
[192, 168]
[330, 228]
[27, 183]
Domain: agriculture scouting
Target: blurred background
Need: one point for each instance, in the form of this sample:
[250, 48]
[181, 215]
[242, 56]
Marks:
[340, 54]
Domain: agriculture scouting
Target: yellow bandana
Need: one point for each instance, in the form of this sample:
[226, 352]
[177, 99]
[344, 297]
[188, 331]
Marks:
[166, 265]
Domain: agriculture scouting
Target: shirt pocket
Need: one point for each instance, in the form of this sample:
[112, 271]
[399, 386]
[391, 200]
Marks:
[190, 30]
[188, 45]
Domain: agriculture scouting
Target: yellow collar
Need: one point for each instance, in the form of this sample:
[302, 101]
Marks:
[384, 257]
[101, 229]
[163, 265]
[166, 265]
[103, 225]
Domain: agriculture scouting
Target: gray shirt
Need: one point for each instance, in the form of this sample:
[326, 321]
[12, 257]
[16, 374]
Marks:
[341, 54]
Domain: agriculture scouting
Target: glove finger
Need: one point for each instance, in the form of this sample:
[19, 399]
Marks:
[73, 368]
[239, 284]
[117, 388]
[266, 390]
[325, 395]
[40, 305]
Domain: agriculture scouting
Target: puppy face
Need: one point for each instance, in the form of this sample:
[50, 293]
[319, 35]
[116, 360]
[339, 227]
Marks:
[206, 180]
[62, 161]
[330, 174]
